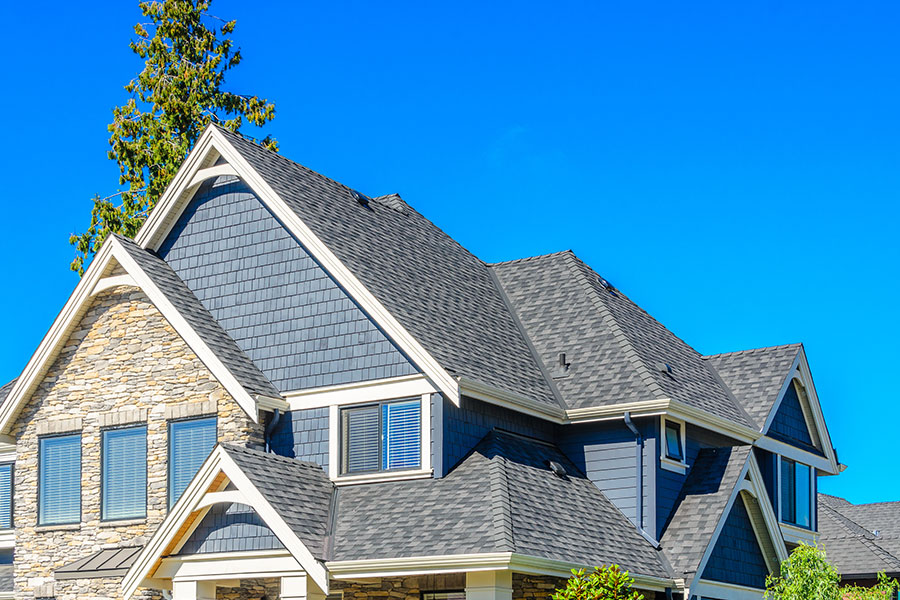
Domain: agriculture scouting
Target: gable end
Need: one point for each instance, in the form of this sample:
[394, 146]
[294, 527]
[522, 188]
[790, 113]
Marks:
[737, 557]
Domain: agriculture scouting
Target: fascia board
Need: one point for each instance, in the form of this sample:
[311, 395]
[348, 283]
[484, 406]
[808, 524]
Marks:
[814, 460]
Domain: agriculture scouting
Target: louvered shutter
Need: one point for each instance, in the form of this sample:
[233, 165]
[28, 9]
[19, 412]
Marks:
[60, 480]
[361, 439]
[124, 494]
[190, 443]
[402, 435]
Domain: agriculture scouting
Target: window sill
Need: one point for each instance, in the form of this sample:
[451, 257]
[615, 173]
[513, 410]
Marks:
[795, 535]
[66, 527]
[123, 522]
[382, 477]
[673, 465]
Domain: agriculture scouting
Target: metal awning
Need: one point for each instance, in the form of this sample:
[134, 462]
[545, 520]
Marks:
[106, 563]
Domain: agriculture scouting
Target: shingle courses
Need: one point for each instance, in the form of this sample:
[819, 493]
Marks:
[847, 532]
[6, 389]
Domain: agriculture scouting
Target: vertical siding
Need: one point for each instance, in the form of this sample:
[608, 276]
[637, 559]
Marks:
[736, 558]
[789, 423]
[303, 434]
[278, 304]
[230, 528]
[606, 453]
[464, 426]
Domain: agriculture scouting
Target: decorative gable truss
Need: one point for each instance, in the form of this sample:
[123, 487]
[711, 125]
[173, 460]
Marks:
[226, 479]
[121, 262]
[816, 449]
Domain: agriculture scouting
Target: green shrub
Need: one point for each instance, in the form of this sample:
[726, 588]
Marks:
[603, 583]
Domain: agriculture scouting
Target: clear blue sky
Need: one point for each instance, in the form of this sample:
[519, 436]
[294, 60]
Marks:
[733, 167]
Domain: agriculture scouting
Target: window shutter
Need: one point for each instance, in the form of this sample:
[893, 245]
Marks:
[6, 472]
[361, 439]
[402, 430]
[60, 480]
[124, 473]
[190, 443]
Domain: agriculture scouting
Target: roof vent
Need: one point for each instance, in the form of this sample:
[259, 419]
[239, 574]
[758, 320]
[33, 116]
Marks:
[877, 532]
[558, 469]
[361, 198]
[562, 367]
[664, 368]
[606, 285]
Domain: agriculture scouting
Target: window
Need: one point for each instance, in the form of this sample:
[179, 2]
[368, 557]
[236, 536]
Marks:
[796, 493]
[381, 437]
[59, 480]
[124, 474]
[6, 495]
[190, 442]
[673, 441]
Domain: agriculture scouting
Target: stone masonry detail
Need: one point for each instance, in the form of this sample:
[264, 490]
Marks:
[123, 364]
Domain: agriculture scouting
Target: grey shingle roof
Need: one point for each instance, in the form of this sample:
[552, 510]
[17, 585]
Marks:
[113, 562]
[847, 532]
[614, 347]
[187, 304]
[755, 377]
[6, 389]
[443, 295]
[704, 496]
[299, 491]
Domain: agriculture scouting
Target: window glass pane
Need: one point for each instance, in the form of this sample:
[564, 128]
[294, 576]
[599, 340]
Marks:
[673, 441]
[60, 480]
[124, 494]
[402, 431]
[361, 436]
[803, 495]
[788, 493]
[190, 443]
[6, 472]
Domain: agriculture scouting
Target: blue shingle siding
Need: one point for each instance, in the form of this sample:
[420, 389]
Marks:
[303, 434]
[268, 293]
[466, 425]
[606, 454]
[789, 424]
[736, 557]
[230, 528]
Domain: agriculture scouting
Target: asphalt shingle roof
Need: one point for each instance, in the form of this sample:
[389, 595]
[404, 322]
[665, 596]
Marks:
[847, 532]
[704, 496]
[189, 307]
[6, 389]
[755, 377]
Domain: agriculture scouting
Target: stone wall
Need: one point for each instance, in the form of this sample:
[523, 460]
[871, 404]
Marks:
[122, 364]
[399, 588]
[535, 587]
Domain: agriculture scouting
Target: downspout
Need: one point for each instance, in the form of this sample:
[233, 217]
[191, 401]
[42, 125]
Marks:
[270, 428]
[639, 479]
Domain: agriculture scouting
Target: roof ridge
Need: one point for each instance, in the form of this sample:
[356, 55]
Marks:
[752, 350]
[501, 506]
[529, 258]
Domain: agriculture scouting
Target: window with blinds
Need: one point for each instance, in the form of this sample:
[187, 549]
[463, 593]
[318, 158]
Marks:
[59, 480]
[381, 437]
[6, 494]
[190, 443]
[124, 474]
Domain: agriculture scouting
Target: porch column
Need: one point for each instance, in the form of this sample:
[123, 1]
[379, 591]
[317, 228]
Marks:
[300, 587]
[193, 590]
[489, 585]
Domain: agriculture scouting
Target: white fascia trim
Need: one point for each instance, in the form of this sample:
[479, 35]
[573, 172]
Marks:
[229, 566]
[409, 386]
[111, 282]
[382, 477]
[494, 395]
[704, 588]
[616, 411]
[820, 463]
[174, 199]
[707, 420]
[491, 561]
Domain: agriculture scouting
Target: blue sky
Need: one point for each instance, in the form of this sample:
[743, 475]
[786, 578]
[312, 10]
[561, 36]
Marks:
[733, 167]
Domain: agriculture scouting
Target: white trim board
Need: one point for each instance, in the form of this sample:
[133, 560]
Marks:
[706, 588]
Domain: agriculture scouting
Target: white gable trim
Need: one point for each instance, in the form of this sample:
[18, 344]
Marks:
[749, 481]
[213, 144]
[705, 588]
[194, 500]
[78, 304]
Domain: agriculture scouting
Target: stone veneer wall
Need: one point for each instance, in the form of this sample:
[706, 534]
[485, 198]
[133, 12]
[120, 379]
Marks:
[123, 364]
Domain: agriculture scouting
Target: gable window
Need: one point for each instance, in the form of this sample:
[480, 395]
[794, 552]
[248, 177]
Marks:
[674, 449]
[381, 437]
[59, 480]
[6, 495]
[124, 474]
[190, 443]
[796, 493]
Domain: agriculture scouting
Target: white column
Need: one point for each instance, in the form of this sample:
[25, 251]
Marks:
[489, 585]
[193, 590]
[300, 587]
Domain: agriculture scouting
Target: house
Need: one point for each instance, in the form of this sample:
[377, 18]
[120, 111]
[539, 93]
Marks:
[860, 540]
[284, 388]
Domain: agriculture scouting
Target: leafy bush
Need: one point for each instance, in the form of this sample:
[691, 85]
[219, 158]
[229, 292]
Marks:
[603, 583]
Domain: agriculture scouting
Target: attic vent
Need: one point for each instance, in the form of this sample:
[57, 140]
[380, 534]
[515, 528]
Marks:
[607, 286]
[665, 368]
[361, 198]
[562, 366]
[877, 532]
[558, 469]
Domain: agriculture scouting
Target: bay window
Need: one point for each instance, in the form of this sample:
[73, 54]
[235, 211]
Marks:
[381, 437]
[124, 474]
[59, 480]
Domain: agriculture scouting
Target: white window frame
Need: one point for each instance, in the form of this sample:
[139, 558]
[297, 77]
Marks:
[670, 464]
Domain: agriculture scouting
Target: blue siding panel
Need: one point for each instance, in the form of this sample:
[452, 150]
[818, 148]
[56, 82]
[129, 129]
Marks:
[270, 295]
[231, 528]
[789, 424]
[303, 434]
[736, 558]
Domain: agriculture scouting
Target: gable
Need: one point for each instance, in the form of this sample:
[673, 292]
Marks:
[737, 558]
[231, 527]
[789, 423]
[277, 303]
